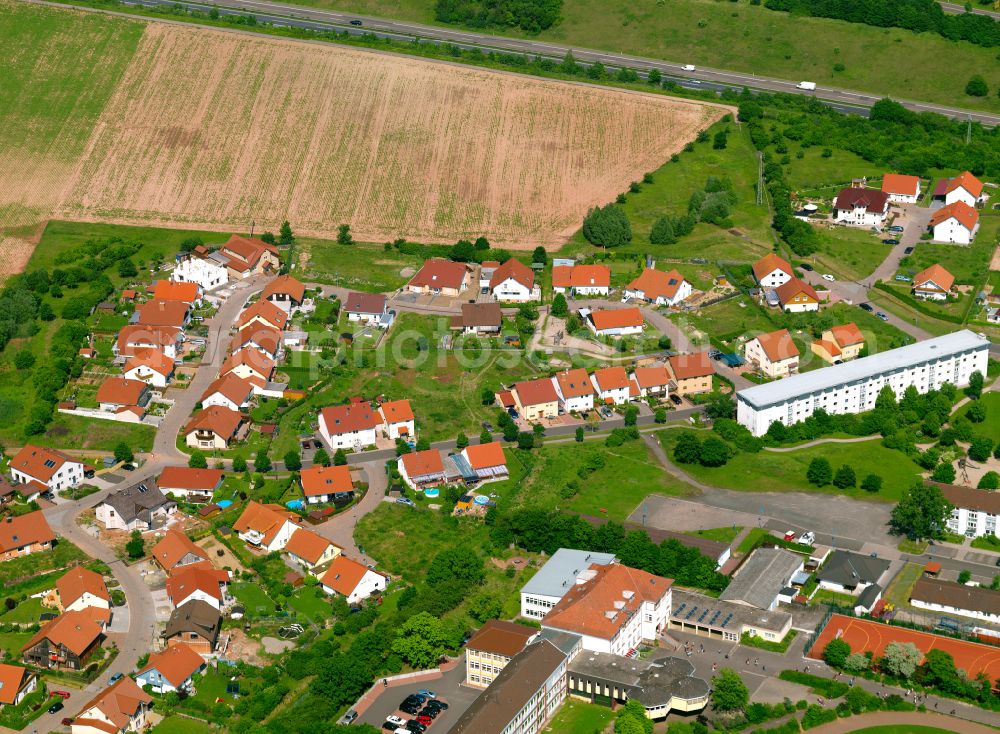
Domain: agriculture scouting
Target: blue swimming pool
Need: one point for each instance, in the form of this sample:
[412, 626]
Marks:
[432, 492]
[295, 504]
[224, 503]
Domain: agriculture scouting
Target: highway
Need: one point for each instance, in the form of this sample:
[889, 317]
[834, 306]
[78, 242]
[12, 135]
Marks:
[956, 9]
[279, 14]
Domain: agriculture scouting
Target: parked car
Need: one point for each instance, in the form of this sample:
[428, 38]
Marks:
[715, 354]
[808, 538]
[405, 501]
[487, 426]
[908, 250]
[688, 67]
[827, 276]
[426, 694]
[890, 242]
[431, 711]
[397, 720]
[896, 228]
[624, 299]
[356, 22]
[606, 411]
[675, 399]
[902, 279]
[789, 535]
[807, 267]
[56, 707]
[513, 413]
[425, 720]
[438, 703]
[89, 473]
[389, 727]
[61, 694]
[410, 708]
[866, 307]
[128, 467]
[115, 678]
[882, 316]
[415, 726]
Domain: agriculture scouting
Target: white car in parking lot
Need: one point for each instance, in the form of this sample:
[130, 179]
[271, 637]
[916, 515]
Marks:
[397, 720]
[827, 276]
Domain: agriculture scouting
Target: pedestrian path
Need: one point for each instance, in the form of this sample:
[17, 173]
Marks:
[902, 718]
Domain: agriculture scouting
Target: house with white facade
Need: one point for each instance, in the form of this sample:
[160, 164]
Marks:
[15, 684]
[202, 267]
[350, 426]
[151, 366]
[352, 580]
[420, 469]
[397, 419]
[321, 483]
[80, 588]
[367, 308]
[861, 207]
[659, 287]
[575, 391]
[611, 385]
[214, 427]
[514, 282]
[772, 271]
[774, 353]
[136, 337]
[974, 512]
[651, 381]
[852, 387]
[198, 582]
[965, 188]
[976, 602]
[47, 469]
[797, 296]
[933, 283]
[172, 669]
[559, 574]
[956, 223]
[140, 507]
[228, 391]
[581, 280]
[266, 527]
[614, 322]
[118, 709]
[851, 573]
[310, 551]
[900, 188]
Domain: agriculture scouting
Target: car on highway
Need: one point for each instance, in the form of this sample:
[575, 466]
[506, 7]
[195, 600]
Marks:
[890, 241]
[807, 267]
[115, 678]
[56, 707]
[827, 276]
[882, 316]
[356, 22]
[405, 501]
[688, 67]
[908, 250]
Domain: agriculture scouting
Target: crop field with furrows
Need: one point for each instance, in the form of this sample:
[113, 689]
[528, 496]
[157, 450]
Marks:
[219, 129]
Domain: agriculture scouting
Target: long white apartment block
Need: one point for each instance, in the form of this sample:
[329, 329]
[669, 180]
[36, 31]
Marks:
[852, 387]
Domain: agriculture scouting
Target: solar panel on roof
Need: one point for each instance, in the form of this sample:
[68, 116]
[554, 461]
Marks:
[703, 615]
[680, 609]
[726, 620]
[715, 616]
[694, 610]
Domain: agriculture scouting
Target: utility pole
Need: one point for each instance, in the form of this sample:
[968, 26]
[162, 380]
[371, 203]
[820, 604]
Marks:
[760, 178]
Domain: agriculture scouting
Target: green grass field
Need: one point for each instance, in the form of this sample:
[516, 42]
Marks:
[991, 426]
[770, 471]
[580, 718]
[742, 37]
[363, 267]
[181, 725]
[847, 252]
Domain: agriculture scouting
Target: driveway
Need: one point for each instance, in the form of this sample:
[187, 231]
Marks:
[340, 528]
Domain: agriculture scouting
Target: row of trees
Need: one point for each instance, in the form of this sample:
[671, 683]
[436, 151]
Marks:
[528, 15]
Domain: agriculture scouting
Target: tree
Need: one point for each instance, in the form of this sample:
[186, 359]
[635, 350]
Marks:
[964, 576]
[344, 235]
[719, 405]
[559, 306]
[901, 659]
[462, 251]
[539, 256]
[293, 461]
[579, 434]
[729, 692]
[239, 464]
[714, 452]
[720, 139]
[631, 414]
[654, 77]
[607, 226]
[977, 87]
[423, 444]
[820, 472]
[24, 360]
[525, 440]
[485, 437]
[835, 653]
[321, 458]
[976, 412]
[872, 483]
[485, 606]
[127, 269]
[944, 473]
[487, 396]
[461, 441]
[975, 388]
[687, 450]
[660, 415]
[981, 448]
[197, 460]
[421, 640]
[261, 462]
[285, 236]
[135, 547]
[339, 457]
[920, 512]
[662, 232]
[123, 453]
[845, 477]
[856, 662]
[989, 480]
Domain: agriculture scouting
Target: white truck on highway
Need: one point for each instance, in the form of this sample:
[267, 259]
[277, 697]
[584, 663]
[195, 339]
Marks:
[806, 85]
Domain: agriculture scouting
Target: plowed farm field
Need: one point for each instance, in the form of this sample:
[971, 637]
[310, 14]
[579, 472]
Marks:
[180, 126]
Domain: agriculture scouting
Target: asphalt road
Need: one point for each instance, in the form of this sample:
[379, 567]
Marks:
[956, 9]
[844, 100]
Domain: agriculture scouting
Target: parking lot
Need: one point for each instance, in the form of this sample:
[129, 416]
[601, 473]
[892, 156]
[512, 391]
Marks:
[448, 688]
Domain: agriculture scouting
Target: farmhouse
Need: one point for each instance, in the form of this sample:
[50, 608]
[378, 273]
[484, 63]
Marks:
[796, 296]
[139, 507]
[22, 535]
[840, 343]
[861, 207]
[173, 290]
[514, 282]
[246, 256]
[772, 271]
[616, 322]
[349, 426]
[397, 419]
[80, 588]
[581, 280]
[559, 574]
[352, 580]
[651, 381]
[15, 684]
[264, 313]
[974, 511]
[367, 308]
[483, 462]
[320, 483]
[150, 366]
[172, 669]
[118, 709]
[310, 550]
[692, 373]
[117, 393]
[900, 188]
[852, 387]
[266, 527]
[207, 269]
[213, 428]
[284, 292]
[193, 485]
[575, 391]
[136, 337]
[759, 582]
[440, 277]
[164, 314]
[774, 353]
[228, 391]
[421, 469]
[656, 286]
[66, 642]
[176, 550]
[933, 283]
[977, 602]
[198, 582]
[47, 469]
[249, 364]
[536, 399]
[480, 319]
[196, 624]
[965, 188]
[490, 649]
[611, 385]
[957, 223]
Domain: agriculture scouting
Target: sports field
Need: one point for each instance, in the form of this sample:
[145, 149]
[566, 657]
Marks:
[864, 636]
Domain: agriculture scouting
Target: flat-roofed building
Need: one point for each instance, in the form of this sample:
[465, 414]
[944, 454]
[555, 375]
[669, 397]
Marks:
[762, 577]
[852, 387]
[725, 620]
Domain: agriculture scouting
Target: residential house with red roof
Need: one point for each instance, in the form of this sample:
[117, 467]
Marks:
[965, 188]
[957, 223]
[797, 296]
[248, 364]
[611, 385]
[320, 483]
[420, 469]
[261, 337]
[118, 709]
[175, 550]
[352, 580]
[861, 207]
[15, 684]
[213, 428]
[22, 535]
[575, 391]
[581, 280]
[900, 188]
[839, 343]
[651, 381]
[264, 313]
[117, 394]
[207, 269]
[514, 282]
[440, 277]
[47, 469]
[66, 642]
[486, 462]
[229, 391]
[172, 669]
[367, 308]
[150, 366]
[266, 527]
[310, 550]
[285, 292]
[659, 287]
[772, 271]
[247, 256]
[164, 314]
[774, 353]
[174, 290]
[535, 399]
[615, 322]
[933, 283]
[350, 426]
[80, 588]
[198, 582]
[490, 649]
[397, 419]
[194, 485]
[479, 319]
[137, 337]
[691, 373]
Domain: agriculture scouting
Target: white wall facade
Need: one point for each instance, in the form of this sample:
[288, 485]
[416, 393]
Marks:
[972, 523]
[512, 291]
[801, 307]
[579, 404]
[620, 331]
[206, 273]
[755, 353]
[775, 278]
[536, 606]
[859, 216]
[198, 595]
[347, 440]
[144, 374]
[960, 194]
[87, 600]
[217, 398]
[69, 475]
[951, 230]
[400, 428]
[684, 291]
[618, 395]
[368, 585]
[934, 607]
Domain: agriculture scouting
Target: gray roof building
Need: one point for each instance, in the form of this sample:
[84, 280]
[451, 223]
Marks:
[197, 617]
[138, 502]
[710, 617]
[852, 569]
[760, 579]
[868, 598]
[659, 686]
[559, 573]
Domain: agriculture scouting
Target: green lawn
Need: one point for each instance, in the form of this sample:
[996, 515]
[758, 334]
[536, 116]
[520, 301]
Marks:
[849, 253]
[770, 471]
[991, 426]
[27, 567]
[742, 37]
[969, 264]
[814, 174]
[898, 591]
[363, 267]
[310, 602]
[723, 321]
[34, 705]
[885, 302]
[987, 542]
[722, 535]
[12, 642]
[577, 717]
[253, 597]
[25, 612]
[181, 725]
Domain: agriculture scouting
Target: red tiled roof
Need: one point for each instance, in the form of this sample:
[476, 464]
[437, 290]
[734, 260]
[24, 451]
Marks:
[162, 313]
[966, 181]
[847, 335]
[778, 345]
[262, 309]
[574, 383]
[262, 335]
[151, 359]
[119, 703]
[610, 378]
[896, 183]
[485, 455]
[646, 377]
[184, 477]
[872, 200]
[581, 276]
[11, 680]
[76, 630]
[440, 274]
[253, 358]
[173, 290]
[177, 663]
[831, 347]
[248, 249]
[345, 574]
[285, 285]
[221, 421]
[616, 318]
[936, 273]
[230, 386]
[423, 463]
[516, 271]
[120, 391]
[795, 287]
[265, 519]
[196, 577]
[40, 462]
[501, 638]
[79, 581]
[349, 418]
[308, 546]
[656, 283]
[320, 480]
[173, 547]
[368, 303]
[137, 336]
[686, 366]
[768, 264]
[960, 211]
[396, 411]
[536, 392]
